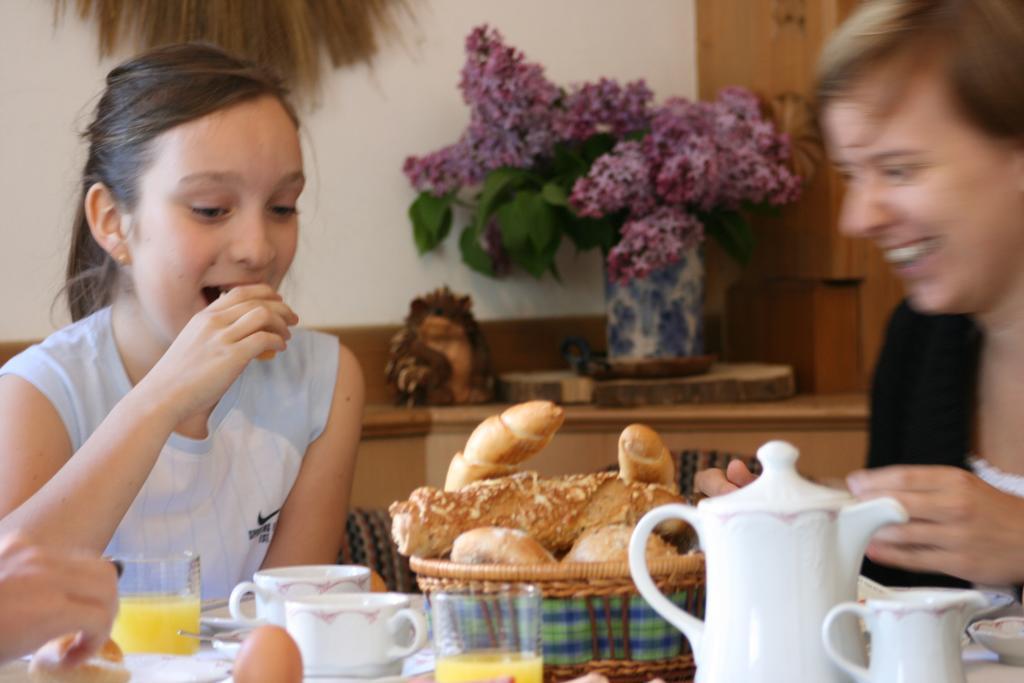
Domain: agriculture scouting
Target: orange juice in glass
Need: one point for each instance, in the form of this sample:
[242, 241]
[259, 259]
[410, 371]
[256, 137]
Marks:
[158, 597]
[484, 635]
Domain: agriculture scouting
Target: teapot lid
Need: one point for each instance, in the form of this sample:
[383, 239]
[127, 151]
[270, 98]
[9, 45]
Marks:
[779, 487]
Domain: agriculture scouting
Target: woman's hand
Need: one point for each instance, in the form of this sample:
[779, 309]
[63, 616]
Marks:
[45, 594]
[216, 345]
[959, 525]
[714, 482]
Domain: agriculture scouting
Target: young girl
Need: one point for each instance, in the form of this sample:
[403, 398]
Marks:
[923, 108]
[180, 410]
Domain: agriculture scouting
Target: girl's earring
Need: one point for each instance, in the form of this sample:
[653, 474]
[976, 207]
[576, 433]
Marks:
[122, 257]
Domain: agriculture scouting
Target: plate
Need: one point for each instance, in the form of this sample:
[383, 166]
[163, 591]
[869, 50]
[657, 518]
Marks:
[149, 668]
[176, 668]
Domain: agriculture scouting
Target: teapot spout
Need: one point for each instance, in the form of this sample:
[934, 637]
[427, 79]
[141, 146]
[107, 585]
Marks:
[858, 522]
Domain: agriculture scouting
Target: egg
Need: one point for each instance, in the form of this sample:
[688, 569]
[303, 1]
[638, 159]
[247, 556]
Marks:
[268, 655]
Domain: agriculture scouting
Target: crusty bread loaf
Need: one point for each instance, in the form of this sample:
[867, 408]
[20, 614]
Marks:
[498, 545]
[106, 666]
[643, 457]
[611, 544]
[553, 511]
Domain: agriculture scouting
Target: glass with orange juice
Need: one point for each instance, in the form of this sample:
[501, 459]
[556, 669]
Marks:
[158, 597]
[481, 635]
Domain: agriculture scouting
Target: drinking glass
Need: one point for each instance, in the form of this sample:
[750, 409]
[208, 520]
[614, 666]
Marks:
[482, 635]
[158, 596]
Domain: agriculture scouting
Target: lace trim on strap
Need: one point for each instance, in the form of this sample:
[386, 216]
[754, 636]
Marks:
[989, 473]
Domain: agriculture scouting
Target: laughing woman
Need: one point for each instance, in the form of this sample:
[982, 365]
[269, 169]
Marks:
[922, 104]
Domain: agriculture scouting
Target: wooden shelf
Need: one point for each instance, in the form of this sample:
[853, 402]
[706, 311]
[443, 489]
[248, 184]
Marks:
[835, 411]
[403, 448]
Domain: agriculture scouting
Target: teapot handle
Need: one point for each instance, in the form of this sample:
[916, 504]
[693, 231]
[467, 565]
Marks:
[691, 626]
[857, 672]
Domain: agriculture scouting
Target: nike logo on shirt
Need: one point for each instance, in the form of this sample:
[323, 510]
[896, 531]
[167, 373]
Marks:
[261, 520]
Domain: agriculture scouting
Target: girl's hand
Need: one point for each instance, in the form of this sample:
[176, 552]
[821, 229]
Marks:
[46, 594]
[216, 345]
[959, 525]
[715, 482]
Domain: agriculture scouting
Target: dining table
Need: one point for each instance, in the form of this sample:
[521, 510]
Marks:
[212, 663]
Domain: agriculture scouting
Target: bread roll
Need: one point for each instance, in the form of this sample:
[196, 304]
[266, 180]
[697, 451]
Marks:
[462, 472]
[611, 544]
[498, 545]
[643, 457]
[553, 511]
[106, 666]
[516, 434]
[501, 442]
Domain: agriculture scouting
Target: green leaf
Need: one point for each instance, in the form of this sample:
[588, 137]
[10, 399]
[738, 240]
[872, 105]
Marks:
[530, 231]
[588, 233]
[596, 146]
[763, 209]
[554, 194]
[527, 218]
[732, 231]
[498, 183]
[537, 261]
[567, 162]
[473, 255]
[431, 220]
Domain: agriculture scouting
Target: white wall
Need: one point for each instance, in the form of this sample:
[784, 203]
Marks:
[357, 263]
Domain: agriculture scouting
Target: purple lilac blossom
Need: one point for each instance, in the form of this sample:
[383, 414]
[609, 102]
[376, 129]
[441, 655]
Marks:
[695, 156]
[616, 181]
[511, 118]
[603, 107]
[652, 242]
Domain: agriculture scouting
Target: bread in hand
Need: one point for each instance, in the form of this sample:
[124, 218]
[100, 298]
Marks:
[643, 457]
[553, 511]
[611, 544]
[106, 666]
[498, 545]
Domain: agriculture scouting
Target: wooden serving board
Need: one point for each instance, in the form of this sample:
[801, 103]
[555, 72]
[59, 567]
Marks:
[722, 383]
[560, 386]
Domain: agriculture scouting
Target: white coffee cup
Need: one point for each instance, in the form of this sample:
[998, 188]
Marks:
[273, 586]
[355, 634]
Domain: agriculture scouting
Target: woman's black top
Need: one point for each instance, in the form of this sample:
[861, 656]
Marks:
[922, 401]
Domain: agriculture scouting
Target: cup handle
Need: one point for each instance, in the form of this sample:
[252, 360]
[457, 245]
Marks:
[857, 672]
[235, 603]
[419, 633]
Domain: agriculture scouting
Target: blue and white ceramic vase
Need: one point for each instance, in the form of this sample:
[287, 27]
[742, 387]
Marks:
[661, 315]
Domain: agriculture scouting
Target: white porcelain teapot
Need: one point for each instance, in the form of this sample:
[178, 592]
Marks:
[779, 554]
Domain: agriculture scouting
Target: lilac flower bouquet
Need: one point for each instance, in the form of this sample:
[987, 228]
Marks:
[597, 163]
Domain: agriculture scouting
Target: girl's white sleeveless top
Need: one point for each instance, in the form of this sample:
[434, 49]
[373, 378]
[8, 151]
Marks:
[220, 496]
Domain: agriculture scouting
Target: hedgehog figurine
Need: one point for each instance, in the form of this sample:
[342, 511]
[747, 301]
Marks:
[440, 356]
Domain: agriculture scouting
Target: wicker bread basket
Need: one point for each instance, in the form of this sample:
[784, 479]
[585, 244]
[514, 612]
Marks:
[593, 617]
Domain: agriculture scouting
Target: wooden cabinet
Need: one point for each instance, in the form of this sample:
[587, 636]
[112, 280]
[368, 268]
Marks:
[833, 294]
[405, 448]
